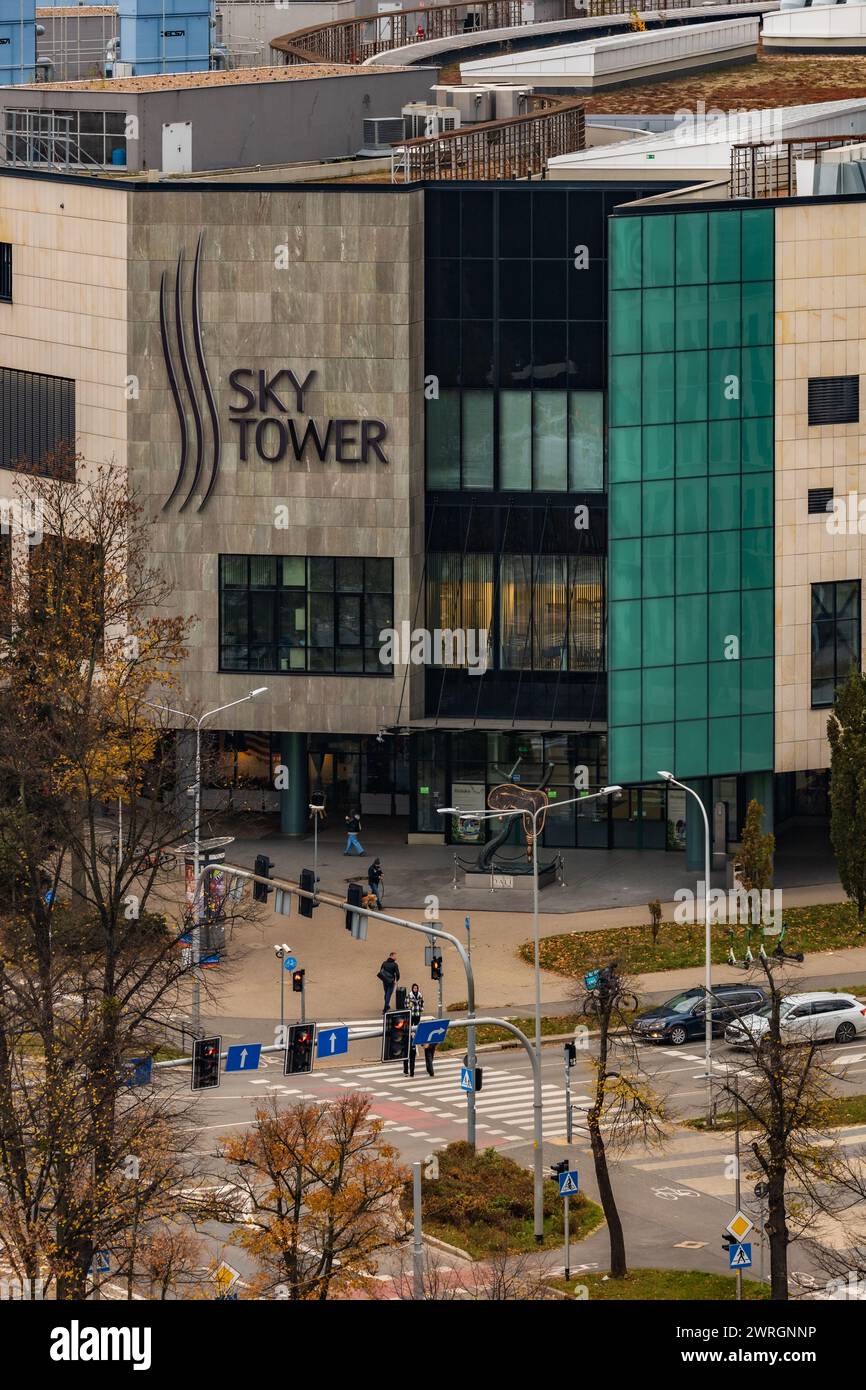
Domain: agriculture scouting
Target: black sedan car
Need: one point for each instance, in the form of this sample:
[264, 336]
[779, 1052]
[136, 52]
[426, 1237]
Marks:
[684, 1016]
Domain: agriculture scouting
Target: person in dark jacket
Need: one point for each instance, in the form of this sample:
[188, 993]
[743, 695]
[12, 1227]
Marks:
[389, 974]
[376, 880]
[353, 830]
[415, 1005]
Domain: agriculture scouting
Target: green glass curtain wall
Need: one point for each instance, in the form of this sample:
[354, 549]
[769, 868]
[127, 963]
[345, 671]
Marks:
[690, 449]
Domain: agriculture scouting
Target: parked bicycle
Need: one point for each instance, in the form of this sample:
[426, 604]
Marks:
[605, 992]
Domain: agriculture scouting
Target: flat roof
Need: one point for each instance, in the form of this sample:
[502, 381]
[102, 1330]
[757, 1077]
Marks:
[180, 81]
[67, 11]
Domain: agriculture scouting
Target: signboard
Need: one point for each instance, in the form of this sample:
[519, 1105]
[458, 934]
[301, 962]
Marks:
[243, 1057]
[740, 1226]
[433, 1031]
[467, 1079]
[740, 1256]
[332, 1042]
[568, 1184]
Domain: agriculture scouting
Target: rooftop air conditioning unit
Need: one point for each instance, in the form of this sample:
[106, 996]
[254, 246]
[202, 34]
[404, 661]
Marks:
[120, 70]
[421, 120]
[380, 133]
[510, 101]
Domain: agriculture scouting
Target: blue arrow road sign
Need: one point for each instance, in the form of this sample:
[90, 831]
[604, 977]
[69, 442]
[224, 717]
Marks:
[244, 1057]
[332, 1041]
[101, 1262]
[467, 1079]
[568, 1184]
[289, 963]
[740, 1256]
[432, 1031]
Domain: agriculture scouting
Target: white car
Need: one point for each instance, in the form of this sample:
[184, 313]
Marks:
[818, 1017]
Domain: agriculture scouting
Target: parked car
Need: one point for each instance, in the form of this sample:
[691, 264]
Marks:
[683, 1017]
[816, 1017]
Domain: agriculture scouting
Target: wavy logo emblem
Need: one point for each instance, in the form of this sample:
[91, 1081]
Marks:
[204, 473]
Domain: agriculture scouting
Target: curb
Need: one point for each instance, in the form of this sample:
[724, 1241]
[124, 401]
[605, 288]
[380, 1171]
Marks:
[453, 1250]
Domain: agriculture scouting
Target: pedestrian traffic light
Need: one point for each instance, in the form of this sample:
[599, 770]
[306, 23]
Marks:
[309, 883]
[298, 981]
[353, 899]
[561, 1167]
[570, 1050]
[479, 1079]
[396, 1036]
[436, 968]
[300, 1048]
[263, 866]
[206, 1063]
[728, 1241]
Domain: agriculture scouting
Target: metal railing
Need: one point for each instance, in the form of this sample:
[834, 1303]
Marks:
[354, 40]
[767, 169]
[509, 149]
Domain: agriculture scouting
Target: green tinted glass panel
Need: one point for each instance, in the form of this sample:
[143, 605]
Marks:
[690, 757]
[515, 440]
[691, 508]
[724, 560]
[757, 623]
[658, 388]
[724, 383]
[757, 686]
[757, 243]
[658, 451]
[756, 737]
[724, 316]
[658, 509]
[724, 624]
[724, 683]
[691, 248]
[625, 698]
[724, 747]
[691, 691]
[691, 564]
[691, 628]
[625, 517]
[658, 320]
[724, 229]
[624, 455]
[691, 317]
[723, 446]
[758, 564]
[658, 750]
[477, 439]
[625, 252]
[624, 569]
[624, 635]
[757, 382]
[658, 566]
[691, 373]
[725, 502]
[658, 696]
[658, 632]
[691, 442]
[757, 313]
[625, 335]
[757, 499]
[658, 250]
[443, 441]
[624, 753]
[758, 450]
[625, 390]
[586, 441]
[550, 440]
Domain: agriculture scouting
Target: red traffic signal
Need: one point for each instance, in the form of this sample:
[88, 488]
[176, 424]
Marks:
[436, 968]
[300, 1049]
[298, 981]
[206, 1063]
[396, 1036]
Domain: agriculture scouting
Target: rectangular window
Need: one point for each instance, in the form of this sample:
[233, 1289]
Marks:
[288, 613]
[37, 423]
[84, 138]
[820, 500]
[835, 637]
[834, 400]
[459, 597]
[6, 271]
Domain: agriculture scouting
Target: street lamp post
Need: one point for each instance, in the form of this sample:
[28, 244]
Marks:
[538, 1130]
[708, 967]
[198, 904]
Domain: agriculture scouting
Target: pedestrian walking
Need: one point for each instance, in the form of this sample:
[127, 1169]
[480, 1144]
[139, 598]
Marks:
[376, 880]
[415, 1005]
[389, 974]
[353, 830]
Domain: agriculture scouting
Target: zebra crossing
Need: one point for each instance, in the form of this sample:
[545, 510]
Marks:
[435, 1107]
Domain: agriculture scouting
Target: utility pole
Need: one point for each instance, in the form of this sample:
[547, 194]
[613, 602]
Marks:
[417, 1244]
[739, 1272]
[568, 1051]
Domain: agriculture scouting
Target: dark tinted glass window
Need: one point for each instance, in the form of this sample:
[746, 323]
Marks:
[37, 423]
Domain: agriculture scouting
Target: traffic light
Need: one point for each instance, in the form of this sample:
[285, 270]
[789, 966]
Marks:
[728, 1241]
[570, 1050]
[300, 1048]
[353, 899]
[206, 1063]
[436, 968]
[309, 882]
[396, 1036]
[479, 1078]
[561, 1167]
[262, 868]
[298, 981]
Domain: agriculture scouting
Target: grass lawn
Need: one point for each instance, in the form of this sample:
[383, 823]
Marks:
[665, 1284]
[482, 1203]
[551, 1025]
[824, 927]
[841, 1110]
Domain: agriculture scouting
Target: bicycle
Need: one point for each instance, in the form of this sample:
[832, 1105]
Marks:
[605, 991]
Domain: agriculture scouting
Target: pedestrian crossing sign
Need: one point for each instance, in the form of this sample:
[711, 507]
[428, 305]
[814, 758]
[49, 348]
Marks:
[740, 1257]
[568, 1184]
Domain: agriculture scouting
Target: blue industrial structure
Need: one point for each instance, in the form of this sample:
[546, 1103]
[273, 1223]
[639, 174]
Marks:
[17, 41]
[159, 36]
